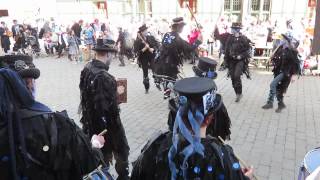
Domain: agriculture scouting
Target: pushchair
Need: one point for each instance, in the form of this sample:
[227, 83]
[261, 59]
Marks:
[33, 45]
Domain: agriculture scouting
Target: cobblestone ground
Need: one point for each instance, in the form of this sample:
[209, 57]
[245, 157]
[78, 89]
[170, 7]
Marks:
[274, 144]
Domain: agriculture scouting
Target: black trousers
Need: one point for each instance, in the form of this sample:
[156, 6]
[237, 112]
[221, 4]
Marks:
[236, 69]
[61, 47]
[5, 42]
[117, 147]
[146, 64]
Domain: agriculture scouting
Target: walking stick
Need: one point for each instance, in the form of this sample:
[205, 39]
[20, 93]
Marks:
[244, 164]
[273, 53]
[103, 132]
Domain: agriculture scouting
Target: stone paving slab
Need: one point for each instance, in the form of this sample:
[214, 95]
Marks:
[274, 144]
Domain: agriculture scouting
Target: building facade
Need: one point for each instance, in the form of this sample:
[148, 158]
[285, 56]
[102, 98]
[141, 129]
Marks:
[67, 10]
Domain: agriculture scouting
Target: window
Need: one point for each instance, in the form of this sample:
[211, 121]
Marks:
[266, 5]
[227, 4]
[232, 8]
[255, 5]
[232, 5]
[236, 5]
[149, 7]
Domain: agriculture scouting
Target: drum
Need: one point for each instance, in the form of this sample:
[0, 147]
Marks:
[312, 160]
[310, 163]
[99, 174]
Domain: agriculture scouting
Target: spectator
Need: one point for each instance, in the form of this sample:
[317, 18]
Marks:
[62, 44]
[15, 29]
[88, 34]
[5, 34]
[77, 29]
[73, 46]
[46, 28]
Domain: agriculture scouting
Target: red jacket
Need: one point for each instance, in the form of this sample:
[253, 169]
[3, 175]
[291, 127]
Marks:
[193, 36]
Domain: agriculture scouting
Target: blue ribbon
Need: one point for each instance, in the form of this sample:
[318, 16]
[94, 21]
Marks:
[194, 146]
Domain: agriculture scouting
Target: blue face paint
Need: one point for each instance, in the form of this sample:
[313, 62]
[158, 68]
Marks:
[210, 74]
[236, 166]
[182, 100]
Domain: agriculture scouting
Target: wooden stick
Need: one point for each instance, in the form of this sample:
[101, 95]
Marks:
[144, 41]
[240, 160]
[103, 132]
[272, 54]
[193, 16]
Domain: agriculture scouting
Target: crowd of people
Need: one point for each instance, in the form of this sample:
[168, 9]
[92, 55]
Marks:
[37, 143]
[77, 39]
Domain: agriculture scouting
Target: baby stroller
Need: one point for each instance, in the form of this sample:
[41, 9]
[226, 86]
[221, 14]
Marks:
[33, 45]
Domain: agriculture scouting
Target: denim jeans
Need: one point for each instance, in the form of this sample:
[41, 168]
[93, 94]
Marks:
[273, 87]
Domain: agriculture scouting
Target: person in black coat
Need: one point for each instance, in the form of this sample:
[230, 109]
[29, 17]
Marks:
[15, 29]
[286, 63]
[145, 46]
[5, 39]
[100, 109]
[121, 42]
[35, 142]
[188, 152]
[173, 50]
[237, 55]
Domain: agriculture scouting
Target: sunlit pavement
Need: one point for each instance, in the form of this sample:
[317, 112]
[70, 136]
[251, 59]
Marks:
[274, 144]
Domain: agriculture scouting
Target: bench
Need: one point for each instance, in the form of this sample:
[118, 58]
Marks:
[263, 60]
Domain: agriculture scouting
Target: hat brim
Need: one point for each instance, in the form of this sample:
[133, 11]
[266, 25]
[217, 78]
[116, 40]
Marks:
[103, 49]
[286, 37]
[143, 29]
[179, 23]
[194, 86]
[30, 73]
[197, 71]
[236, 27]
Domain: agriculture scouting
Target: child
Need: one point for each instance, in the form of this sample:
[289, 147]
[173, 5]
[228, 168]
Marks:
[73, 46]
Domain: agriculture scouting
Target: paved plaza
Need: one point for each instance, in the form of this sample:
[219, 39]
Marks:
[274, 144]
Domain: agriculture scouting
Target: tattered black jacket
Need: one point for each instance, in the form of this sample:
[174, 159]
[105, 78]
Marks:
[237, 47]
[139, 45]
[218, 161]
[100, 110]
[286, 61]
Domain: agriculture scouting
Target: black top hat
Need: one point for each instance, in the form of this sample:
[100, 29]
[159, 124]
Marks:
[205, 66]
[26, 71]
[178, 21]
[106, 45]
[236, 25]
[22, 64]
[142, 28]
[194, 86]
